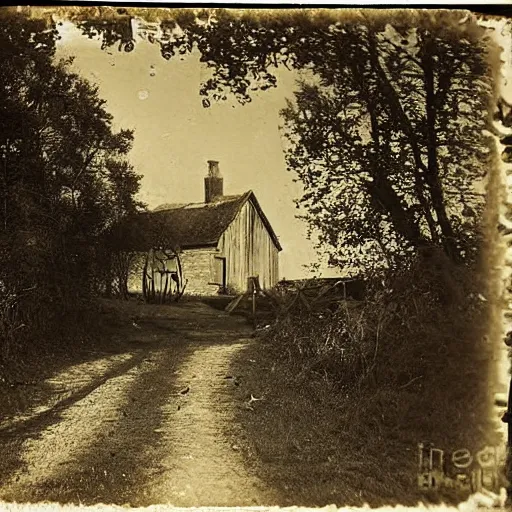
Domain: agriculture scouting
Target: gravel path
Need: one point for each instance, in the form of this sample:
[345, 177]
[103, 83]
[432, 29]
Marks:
[149, 426]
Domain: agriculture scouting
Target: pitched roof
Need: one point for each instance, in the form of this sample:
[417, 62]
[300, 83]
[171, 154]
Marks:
[194, 225]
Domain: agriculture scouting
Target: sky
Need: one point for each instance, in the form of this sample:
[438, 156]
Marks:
[175, 135]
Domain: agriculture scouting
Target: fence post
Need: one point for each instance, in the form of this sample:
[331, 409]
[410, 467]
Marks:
[253, 287]
[254, 307]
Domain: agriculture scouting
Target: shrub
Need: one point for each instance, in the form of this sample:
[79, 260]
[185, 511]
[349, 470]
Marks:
[410, 324]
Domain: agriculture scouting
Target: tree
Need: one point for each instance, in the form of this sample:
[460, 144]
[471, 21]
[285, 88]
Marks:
[64, 181]
[375, 149]
[394, 118]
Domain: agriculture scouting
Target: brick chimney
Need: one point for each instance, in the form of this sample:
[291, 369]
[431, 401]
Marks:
[213, 183]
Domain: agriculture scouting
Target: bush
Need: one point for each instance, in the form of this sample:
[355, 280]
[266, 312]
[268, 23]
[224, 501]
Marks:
[406, 318]
[411, 351]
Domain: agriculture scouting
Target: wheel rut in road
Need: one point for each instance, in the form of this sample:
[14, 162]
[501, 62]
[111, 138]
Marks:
[203, 465]
[154, 429]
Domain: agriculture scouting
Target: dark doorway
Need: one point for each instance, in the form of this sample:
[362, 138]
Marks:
[221, 273]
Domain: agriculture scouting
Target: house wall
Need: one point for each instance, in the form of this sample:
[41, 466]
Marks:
[197, 269]
[249, 251]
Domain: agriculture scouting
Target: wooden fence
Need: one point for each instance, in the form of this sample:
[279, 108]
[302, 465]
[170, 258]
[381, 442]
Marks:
[296, 297]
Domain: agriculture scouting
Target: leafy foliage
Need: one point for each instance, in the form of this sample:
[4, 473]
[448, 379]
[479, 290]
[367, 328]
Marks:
[388, 149]
[393, 117]
[64, 180]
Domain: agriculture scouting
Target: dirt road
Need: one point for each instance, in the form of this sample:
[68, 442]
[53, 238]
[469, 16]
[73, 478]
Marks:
[150, 424]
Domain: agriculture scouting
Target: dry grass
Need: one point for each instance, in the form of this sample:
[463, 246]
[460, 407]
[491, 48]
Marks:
[349, 396]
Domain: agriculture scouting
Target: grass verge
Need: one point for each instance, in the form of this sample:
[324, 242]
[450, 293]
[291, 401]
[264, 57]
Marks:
[342, 416]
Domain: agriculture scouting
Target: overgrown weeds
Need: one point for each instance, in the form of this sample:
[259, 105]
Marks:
[351, 390]
[410, 363]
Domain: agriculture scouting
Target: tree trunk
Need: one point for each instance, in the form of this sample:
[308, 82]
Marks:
[396, 107]
[432, 175]
[383, 193]
[385, 197]
[145, 279]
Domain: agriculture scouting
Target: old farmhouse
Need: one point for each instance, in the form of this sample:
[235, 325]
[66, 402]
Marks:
[220, 242]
